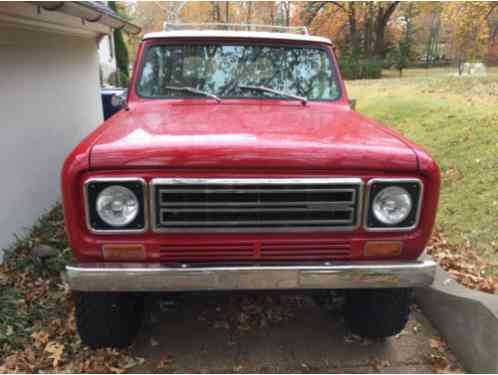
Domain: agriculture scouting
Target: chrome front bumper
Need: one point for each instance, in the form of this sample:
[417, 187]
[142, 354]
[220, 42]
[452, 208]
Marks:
[126, 277]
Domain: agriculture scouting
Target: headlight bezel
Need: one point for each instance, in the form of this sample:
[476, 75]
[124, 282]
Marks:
[413, 186]
[94, 186]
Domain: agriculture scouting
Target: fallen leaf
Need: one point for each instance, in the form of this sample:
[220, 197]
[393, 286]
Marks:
[40, 337]
[401, 334]
[55, 349]
[437, 344]
[165, 362]
[378, 364]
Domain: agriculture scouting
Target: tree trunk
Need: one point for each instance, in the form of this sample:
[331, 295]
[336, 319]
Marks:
[287, 12]
[216, 11]
[383, 16]
[380, 28]
[353, 31]
[249, 12]
[367, 31]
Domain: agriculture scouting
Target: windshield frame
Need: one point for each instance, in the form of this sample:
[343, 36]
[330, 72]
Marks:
[335, 75]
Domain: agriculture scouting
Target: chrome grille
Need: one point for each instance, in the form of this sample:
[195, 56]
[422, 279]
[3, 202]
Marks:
[253, 205]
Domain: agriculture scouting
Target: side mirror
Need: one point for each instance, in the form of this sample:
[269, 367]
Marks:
[352, 104]
[119, 100]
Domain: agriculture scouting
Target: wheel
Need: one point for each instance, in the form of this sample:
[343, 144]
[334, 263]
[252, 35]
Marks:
[108, 319]
[377, 313]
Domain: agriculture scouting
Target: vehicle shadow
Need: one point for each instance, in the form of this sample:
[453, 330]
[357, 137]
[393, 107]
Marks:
[258, 332]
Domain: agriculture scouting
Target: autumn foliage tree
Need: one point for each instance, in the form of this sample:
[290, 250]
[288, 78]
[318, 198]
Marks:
[361, 30]
[369, 35]
[468, 29]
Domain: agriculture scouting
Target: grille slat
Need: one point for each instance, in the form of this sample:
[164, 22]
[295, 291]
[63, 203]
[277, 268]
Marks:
[266, 250]
[265, 191]
[254, 222]
[245, 205]
[254, 209]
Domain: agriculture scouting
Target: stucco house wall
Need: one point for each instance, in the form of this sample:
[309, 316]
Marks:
[49, 85]
[49, 99]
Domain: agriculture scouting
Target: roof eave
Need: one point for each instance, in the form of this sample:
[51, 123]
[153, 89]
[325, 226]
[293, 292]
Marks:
[88, 13]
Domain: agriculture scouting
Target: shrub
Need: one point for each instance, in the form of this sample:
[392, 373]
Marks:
[355, 68]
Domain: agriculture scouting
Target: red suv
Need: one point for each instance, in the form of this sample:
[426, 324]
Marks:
[237, 163]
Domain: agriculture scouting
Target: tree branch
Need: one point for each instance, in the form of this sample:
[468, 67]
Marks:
[494, 5]
[314, 13]
[390, 10]
[339, 5]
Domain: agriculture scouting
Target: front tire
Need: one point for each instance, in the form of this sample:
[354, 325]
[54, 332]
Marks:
[107, 319]
[377, 313]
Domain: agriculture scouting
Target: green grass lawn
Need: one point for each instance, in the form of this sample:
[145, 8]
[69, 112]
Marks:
[456, 120]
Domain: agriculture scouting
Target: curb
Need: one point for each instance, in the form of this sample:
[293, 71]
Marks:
[466, 318]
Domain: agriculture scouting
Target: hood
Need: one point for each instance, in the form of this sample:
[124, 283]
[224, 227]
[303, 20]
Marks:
[287, 135]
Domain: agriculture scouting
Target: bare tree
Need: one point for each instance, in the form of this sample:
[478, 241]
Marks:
[286, 10]
[375, 15]
[172, 10]
[216, 11]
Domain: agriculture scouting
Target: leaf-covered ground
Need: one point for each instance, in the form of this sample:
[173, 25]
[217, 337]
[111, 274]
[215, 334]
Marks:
[456, 120]
[37, 326]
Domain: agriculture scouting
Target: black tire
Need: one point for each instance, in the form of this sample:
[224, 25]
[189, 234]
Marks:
[377, 313]
[108, 319]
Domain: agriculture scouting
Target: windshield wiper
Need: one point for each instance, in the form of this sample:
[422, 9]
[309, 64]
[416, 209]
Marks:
[193, 91]
[277, 92]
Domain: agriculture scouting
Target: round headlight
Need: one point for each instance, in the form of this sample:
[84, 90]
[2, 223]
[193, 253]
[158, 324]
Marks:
[392, 205]
[117, 205]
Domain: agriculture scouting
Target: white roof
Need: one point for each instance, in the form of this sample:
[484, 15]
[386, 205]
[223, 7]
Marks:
[236, 34]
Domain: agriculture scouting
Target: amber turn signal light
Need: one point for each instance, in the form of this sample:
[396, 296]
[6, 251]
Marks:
[382, 248]
[123, 252]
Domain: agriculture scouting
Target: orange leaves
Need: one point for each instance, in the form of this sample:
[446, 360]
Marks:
[20, 362]
[49, 343]
[437, 344]
[467, 28]
[378, 365]
[462, 264]
[439, 358]
[40, 338]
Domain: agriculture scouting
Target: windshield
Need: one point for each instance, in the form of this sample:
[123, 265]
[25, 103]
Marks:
[223, 70]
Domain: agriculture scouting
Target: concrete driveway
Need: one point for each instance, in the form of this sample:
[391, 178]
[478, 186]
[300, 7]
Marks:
[219, 333]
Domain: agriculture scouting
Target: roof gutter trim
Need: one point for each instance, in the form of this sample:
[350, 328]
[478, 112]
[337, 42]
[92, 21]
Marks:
[89, 13]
